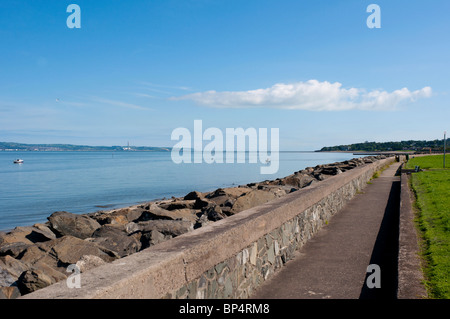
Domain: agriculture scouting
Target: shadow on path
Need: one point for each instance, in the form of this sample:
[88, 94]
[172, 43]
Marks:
[385, 251]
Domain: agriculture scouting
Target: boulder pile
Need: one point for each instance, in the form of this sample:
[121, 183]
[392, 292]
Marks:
[37, 256]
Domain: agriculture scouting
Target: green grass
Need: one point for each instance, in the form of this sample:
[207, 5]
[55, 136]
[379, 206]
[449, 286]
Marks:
[429, 162]
[432, 189]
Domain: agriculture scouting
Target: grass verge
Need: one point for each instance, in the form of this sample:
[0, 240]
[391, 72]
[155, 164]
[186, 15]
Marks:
[429, 162]
[432, 190]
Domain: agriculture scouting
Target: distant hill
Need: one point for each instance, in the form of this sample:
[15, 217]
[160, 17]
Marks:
[8, 146]
[436, 145]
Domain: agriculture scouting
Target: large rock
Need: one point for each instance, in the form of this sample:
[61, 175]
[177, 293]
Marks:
[201, 203]
[45, 231]
[202, 221]
[330, 170]
[32, 280]
[10, 270]
[223, 200]
[178, 204]
[69, 250]
[347, 165]
[232, 192]
[307, 170]
[9, 292]
[61, 252]
[64, 223]
[298, 180]
[153, 237]
[193, 196]
[35, 253]
[27, 235]
[214, 213]
[6, 279]
[13, 249]
[279, 191]
[117, 217]
[166, 227]
[155, 212]
[134, 214]
[252, 199]
[320, 176]
[88, 262]
[116, 240]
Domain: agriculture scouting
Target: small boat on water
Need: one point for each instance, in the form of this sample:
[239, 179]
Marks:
[18, 161]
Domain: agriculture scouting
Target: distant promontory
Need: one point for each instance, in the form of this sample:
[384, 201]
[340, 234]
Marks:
[9, 146]
[435, 146]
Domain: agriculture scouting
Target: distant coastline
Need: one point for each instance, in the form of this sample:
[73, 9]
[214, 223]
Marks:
[379, 147]
[369, 148]
[21, 147]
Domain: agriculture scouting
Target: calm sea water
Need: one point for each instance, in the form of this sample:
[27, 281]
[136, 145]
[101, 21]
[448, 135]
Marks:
[81, 182]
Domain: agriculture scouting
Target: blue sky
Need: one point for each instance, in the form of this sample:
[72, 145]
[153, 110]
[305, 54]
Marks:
[137, 70]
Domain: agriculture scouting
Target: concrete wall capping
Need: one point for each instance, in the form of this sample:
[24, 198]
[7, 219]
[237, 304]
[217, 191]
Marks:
[228, 258]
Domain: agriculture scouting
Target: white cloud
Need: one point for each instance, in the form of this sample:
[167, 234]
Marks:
[311, 95]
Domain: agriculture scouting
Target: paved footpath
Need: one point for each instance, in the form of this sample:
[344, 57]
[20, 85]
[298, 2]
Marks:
[333, 264]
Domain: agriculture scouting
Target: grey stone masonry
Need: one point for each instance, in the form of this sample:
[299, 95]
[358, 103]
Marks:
[229, 258]
[239, 275]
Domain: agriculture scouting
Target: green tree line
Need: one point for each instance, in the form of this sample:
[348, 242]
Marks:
[434, 145]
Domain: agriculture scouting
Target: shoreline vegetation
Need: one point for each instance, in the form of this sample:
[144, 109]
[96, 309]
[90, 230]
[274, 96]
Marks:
[34, 257]
[404, 146]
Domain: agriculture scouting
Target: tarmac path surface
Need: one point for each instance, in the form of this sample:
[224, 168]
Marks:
[334, 263]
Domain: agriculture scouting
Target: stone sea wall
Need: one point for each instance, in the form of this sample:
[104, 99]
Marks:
[228, 258]
[34, 257]
[239, 275]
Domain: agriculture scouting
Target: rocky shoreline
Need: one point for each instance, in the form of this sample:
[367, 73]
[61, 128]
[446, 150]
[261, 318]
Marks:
[37, 256]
